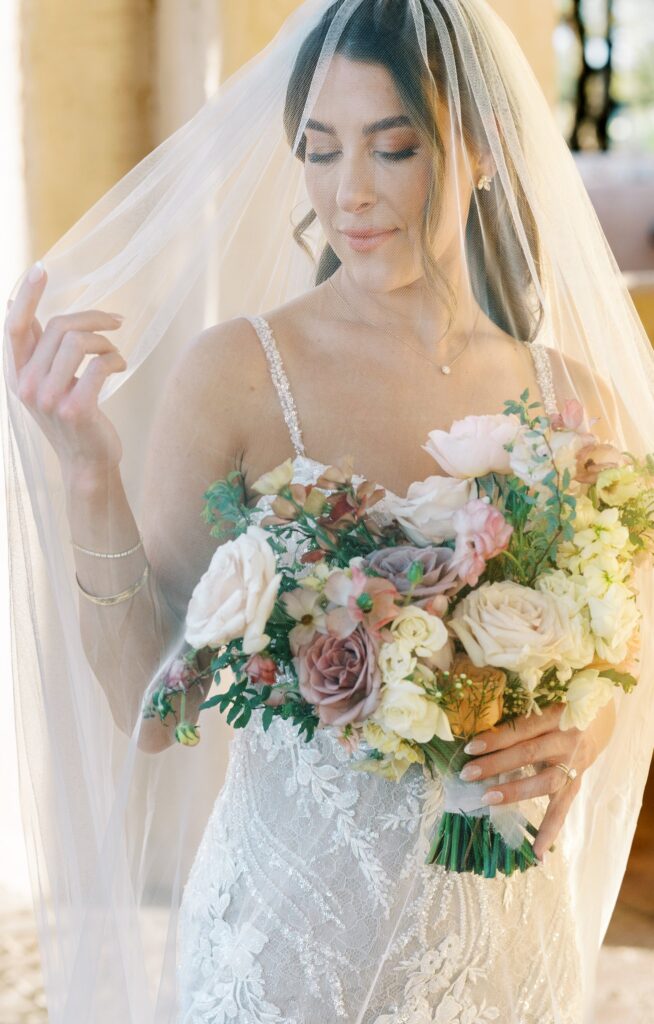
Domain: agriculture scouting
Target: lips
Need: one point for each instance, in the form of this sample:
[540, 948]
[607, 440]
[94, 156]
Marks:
[367, 233]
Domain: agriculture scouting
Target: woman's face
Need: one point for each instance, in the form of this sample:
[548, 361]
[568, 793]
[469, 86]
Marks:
[367, 169]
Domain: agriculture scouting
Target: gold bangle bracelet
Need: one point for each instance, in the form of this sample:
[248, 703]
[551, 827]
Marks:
[116, 598]
[108, 554]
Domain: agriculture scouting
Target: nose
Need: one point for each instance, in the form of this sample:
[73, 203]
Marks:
[356, 186]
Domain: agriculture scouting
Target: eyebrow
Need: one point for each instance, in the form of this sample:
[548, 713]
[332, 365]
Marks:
[398, 121]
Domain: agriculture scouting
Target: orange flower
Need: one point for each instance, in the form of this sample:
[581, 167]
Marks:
[477, 705]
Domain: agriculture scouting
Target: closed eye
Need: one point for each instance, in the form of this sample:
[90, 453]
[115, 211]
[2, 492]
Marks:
[324, 158]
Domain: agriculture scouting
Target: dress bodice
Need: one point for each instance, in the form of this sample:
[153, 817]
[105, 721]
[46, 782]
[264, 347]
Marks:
[309, 468]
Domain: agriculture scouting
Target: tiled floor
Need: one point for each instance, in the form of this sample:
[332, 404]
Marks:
[625, 977]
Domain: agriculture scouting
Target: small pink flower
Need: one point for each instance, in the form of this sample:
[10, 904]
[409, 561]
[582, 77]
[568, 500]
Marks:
[481, 533]
[369, 600]
[180, 675]
[261, 670]
[348, 737]
[571, 417]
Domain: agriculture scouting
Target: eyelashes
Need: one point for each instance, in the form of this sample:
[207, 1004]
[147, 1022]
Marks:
[401, 154]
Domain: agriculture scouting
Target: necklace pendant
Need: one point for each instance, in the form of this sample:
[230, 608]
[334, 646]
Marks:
[446, 370]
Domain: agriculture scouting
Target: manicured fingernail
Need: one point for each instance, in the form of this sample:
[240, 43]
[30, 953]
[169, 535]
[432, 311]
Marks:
[36, 272]
[474, 747]
[470, 771]
[492, 797]
[117, 316]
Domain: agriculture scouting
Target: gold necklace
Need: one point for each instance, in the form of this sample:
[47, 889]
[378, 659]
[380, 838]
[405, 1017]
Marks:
[445, 368]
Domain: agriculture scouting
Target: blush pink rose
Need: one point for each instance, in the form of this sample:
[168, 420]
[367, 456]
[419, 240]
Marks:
[340, 676]
[481, 533]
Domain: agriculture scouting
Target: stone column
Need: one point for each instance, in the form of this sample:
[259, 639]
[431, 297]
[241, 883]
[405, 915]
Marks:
[87, 96]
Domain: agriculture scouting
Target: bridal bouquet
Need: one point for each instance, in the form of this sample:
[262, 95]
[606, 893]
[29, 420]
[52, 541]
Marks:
[489, 593]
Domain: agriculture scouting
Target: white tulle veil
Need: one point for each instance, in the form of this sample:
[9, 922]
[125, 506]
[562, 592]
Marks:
[208, 228]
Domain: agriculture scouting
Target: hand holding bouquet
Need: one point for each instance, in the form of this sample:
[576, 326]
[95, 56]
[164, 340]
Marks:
[485, 597]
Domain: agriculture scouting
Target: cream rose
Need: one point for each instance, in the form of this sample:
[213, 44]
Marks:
[424, 634]
[235, 596]
[474, 446]
[406, 710]
[587, 692]
[426, 513]
[396, 661]
[513, 627]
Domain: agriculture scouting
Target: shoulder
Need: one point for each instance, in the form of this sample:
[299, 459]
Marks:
[575, 379]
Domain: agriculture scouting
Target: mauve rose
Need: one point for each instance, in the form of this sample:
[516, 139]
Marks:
[340, 676]
[439, 575]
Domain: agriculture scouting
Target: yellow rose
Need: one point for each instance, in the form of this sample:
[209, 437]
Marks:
[481, 704]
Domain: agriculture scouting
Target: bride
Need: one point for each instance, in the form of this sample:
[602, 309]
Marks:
[455, 264]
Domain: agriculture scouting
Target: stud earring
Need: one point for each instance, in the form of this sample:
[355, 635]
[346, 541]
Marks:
[484, 183]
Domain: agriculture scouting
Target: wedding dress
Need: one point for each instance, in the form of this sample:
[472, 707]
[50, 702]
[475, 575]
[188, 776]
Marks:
[278, 929]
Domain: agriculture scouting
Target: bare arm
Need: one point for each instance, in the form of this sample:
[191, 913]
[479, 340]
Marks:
[197, 430]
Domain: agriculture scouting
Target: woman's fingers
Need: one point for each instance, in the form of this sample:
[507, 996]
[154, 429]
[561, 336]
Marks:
[64, 330]
[551, 746]
[550, 780]
[21, 326]
[552, 823]
[519, 729]
[74, 347]
[84, 395]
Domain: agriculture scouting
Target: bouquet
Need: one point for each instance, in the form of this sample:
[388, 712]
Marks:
[485, 594]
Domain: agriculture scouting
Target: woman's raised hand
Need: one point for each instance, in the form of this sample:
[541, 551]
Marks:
[65, 406]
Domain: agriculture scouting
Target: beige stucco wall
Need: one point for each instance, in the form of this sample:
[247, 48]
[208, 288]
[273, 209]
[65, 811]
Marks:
[86, 93]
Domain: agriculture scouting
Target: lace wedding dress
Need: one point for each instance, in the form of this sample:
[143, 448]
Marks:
[302, 857]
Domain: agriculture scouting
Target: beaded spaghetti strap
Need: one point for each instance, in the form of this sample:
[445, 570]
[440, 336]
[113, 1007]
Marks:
[280, 380]
[543, 366]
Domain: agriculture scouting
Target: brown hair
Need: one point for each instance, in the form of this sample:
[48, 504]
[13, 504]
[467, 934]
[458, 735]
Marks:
[381, 32]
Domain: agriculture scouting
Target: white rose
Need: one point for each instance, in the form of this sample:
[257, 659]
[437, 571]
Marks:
[474, 446]
[614, 618]
[235, 596]
[532, 458]
[406, 710]
[422, 633]
[513, 627]
[396, 661]
[426, 513]
[587, 692]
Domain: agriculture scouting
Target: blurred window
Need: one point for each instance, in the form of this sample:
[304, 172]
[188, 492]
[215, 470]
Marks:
[605, 67]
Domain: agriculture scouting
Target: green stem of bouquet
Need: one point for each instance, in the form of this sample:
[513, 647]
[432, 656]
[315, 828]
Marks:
[463, 842]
